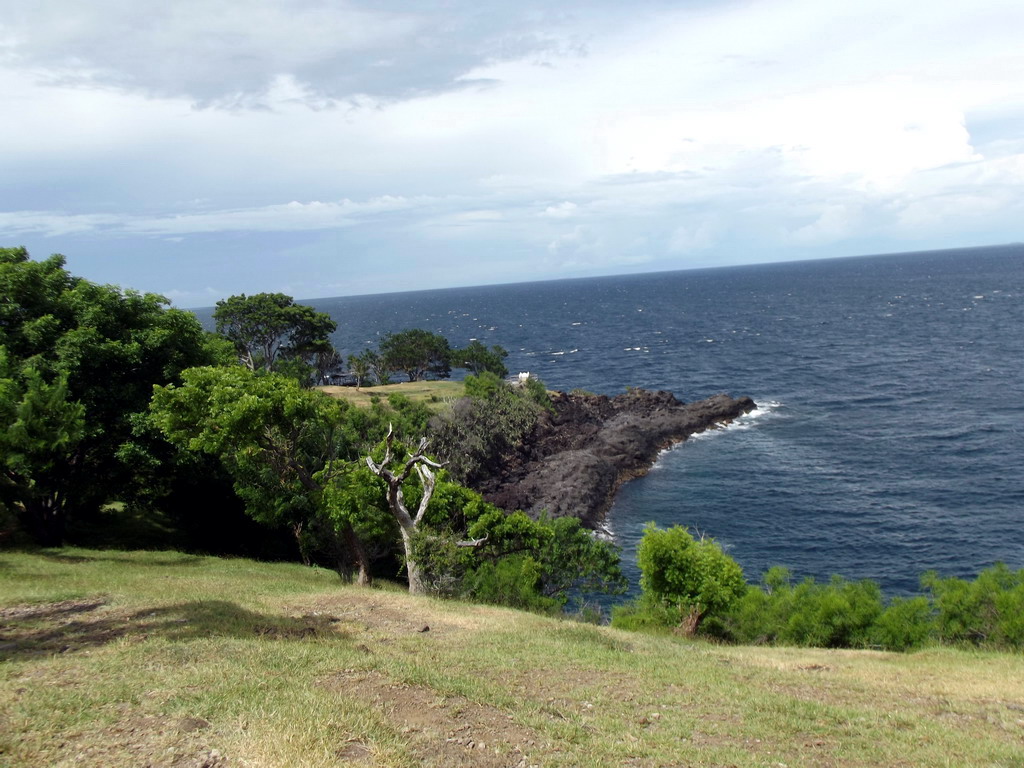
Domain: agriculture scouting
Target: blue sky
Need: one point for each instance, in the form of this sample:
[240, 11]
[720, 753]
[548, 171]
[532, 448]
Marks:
[321, 148]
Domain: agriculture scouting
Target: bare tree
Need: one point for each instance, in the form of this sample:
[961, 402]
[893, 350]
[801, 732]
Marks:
[408, 522]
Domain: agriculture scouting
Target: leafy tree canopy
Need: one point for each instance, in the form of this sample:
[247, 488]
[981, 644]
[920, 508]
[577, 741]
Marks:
[268, 327]
[417, 353]
[80, 362]
[477, 359]
[480, 430]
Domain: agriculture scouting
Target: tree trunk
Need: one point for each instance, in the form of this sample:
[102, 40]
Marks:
[358, 552]
[688, 626]
[44, 519]
[412, 568]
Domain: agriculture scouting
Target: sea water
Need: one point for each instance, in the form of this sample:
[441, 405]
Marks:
[888, 439]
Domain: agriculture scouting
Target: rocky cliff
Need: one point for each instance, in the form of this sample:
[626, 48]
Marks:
[578, 456]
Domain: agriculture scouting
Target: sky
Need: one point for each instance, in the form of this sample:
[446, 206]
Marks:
[320, 148]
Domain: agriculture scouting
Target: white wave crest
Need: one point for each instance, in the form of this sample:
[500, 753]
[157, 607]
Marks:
[764, 409]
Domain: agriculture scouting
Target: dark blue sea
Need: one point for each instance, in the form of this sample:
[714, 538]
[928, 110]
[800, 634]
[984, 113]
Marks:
[889, 438]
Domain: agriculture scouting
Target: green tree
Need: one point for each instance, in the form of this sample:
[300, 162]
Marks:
[281, 443]
[269, 327]
[417, 353]
[689, 578]
[477, 358]
[39, 432]
[481, 430]
[81, 362]
[359, 366]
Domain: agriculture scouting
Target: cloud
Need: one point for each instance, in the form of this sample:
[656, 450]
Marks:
[563, 210]
[229, 54]
[287, 217]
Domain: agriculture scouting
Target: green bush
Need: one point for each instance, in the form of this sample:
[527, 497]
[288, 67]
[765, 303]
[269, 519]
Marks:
[685, 580]
[837, 615]
[904, 625]
[514, 581]
[483, 385]
[840, 614]
[988, 611]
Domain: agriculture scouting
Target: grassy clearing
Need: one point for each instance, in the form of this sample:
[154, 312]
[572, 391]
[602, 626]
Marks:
[125, 659]
[434, 393]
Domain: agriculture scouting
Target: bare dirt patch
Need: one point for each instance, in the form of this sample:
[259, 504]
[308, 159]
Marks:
[382, 617]
[159, 742]
[443, 730]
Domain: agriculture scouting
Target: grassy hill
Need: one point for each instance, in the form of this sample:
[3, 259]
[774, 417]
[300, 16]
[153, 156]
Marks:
[159, 658]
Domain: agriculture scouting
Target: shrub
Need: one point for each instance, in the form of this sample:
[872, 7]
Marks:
[986, 612]
[904, 625]
[514, 581]
[840, 614]
[837, 615]
[688, 579]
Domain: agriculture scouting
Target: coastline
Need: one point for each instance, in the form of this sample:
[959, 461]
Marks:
[577, 458]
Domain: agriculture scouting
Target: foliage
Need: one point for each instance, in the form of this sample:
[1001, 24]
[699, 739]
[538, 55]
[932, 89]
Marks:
[839, 614]
[369, 363]
[906, 623]
[81, 361]
[686, 578]
[40, 430]
[535, 391]
[988, 611]
[514, 581]
[480, 430]
[278, 441]
[359, 367]
[565, 560]
[483, 386]
[477, 359]
[417, 353]
[268, 328]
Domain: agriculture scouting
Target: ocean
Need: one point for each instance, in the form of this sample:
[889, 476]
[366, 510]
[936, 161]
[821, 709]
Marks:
[888, 438]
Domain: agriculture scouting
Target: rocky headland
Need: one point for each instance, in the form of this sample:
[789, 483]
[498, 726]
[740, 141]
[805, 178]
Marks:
[577, 456]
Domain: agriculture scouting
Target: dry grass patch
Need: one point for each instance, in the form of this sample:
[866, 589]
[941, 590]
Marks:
[436, 394]
[163, 660]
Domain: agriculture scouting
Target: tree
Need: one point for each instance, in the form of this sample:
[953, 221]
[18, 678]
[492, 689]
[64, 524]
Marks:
[268, 327]
[366, 363]
[359, 368]
[39, 432]
[394, 472]
[690, 578]
[477, 358]
[417, 353]
[281, 443]
[81, 362]
[477, 434]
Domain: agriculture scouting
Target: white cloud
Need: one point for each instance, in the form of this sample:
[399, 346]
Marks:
[288, 217]
[563, 210]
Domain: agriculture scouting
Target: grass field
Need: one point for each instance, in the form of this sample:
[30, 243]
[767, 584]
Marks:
[434, 393]
[159, 658]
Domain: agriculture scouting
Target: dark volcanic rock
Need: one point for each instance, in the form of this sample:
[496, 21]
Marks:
[577, 457]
